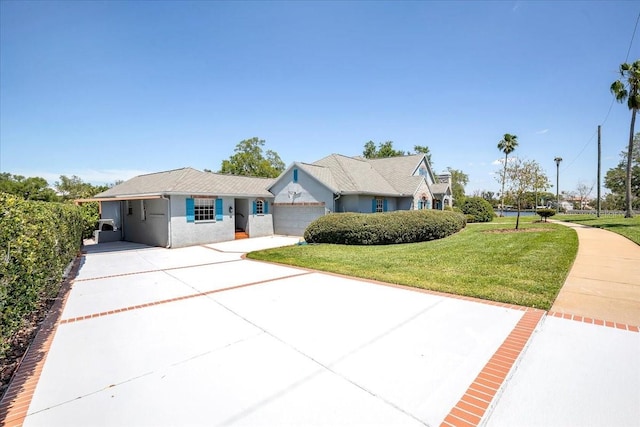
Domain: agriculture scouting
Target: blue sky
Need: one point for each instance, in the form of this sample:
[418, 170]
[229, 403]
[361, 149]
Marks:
[109, 90]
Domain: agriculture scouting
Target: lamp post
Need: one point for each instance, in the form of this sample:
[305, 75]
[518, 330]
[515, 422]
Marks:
[558, 160]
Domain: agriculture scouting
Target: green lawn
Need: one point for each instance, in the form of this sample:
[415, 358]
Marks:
[628, 227]
[488, 261]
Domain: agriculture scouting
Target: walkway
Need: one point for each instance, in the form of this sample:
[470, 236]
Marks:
[604, 282]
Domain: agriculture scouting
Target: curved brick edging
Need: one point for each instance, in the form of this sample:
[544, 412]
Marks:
[17, 398]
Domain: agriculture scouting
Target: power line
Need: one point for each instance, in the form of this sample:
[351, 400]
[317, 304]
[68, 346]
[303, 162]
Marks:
[606, 117]
[632, 37]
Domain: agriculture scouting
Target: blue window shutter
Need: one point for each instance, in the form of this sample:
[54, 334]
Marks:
[191, 211]
[373, 205]
[219, 215]
[266, 207]
[384, 205]
[420, 204]
[254, 207]
[295, 175]
[428, 204]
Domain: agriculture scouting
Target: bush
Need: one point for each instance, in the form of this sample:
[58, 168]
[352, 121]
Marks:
[37, 241]
[90, 215]
[545, 213]
[384, 228]
[480, 209]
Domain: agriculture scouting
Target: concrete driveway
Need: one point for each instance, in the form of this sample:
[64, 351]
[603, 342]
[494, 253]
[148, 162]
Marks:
[201, 336]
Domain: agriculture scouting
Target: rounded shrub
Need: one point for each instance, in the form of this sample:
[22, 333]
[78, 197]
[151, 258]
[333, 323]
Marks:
[384, 228]
[545, 213]
[477, 208]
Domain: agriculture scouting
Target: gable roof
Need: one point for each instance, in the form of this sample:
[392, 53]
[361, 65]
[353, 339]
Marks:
[392, 176]
[189, 181]
[399, 171]
[356, 175]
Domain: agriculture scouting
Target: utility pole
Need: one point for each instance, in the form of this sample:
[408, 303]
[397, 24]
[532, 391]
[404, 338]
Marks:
[558, 160]
[599, 158]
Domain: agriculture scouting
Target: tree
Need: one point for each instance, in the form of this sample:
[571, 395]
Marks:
[424, 150]
[458, 181]
[75, 188]
[583, 191]
[521, 177]
[487, 195]
[615, 179]
[385, 149]
[628, 89]
[507, 145]
[249, 160]
[32, 188]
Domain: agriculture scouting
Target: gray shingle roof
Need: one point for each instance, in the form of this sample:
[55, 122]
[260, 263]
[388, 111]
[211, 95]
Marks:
[190, 181]
[356, 175]
[440, 188]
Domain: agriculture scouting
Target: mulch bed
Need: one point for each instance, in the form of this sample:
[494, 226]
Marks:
[20, 343]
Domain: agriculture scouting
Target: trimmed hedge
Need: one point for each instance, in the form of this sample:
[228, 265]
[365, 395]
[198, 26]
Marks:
[545, 213]
[384, 228]
[477, 209]
[37, 241]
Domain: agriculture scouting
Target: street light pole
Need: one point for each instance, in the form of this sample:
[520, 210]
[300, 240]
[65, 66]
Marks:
[558, 160]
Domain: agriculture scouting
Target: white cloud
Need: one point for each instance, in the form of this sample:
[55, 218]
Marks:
[542, 132]
[500, 161]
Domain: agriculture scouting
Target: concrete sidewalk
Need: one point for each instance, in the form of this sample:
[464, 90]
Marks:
[582, 367]
[201, 336]
[604, 282]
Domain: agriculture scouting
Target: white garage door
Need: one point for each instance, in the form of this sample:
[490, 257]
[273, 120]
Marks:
[292, 220]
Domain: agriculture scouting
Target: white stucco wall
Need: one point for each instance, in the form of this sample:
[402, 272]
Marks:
[308, 190]
[185, 233]
[260, 225]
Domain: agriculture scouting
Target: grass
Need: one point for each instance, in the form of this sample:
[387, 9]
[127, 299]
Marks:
[627, 227]
[488, 261]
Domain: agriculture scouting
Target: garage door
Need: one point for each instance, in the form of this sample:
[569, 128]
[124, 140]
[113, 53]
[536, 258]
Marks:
[292, 220]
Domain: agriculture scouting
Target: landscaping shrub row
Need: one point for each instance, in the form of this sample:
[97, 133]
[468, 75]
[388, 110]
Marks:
[384, 228]
[37, 241]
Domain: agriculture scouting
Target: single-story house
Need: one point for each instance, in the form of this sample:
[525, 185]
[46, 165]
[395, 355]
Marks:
[186, 207]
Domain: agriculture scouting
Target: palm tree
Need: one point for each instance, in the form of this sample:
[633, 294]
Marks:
[628, 89]
[507, 144]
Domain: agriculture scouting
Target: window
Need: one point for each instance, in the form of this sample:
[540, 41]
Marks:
[129, 207]
[204, 209]
[379, 204]
[260, 207]
[295, 175]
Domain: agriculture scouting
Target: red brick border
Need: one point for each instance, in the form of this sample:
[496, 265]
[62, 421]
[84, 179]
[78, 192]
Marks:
[15, 403]
[170, 300]
[474, 403]
[16, 400]
[158, 270]
[592, 321]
